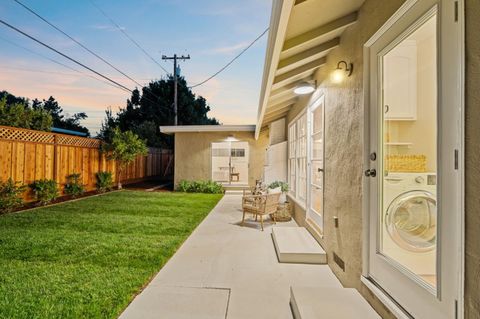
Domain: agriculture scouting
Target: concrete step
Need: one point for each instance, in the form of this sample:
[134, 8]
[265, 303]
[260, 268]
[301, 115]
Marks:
[329, 303]
[296, 245]
[233, 192]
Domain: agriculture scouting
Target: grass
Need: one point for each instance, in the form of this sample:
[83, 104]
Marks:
[89, 258]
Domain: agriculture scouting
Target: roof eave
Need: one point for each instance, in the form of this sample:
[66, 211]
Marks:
[281, 10]
[206, 128]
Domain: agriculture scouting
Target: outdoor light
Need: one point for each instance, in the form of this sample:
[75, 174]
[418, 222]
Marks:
[304, 88]
[231, 138]
[339, 74]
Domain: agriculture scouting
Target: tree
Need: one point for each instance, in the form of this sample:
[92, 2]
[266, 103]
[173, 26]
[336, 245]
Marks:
[60, 120]
[124, 149]
[41, 115]
[145, 112]
[19, 114]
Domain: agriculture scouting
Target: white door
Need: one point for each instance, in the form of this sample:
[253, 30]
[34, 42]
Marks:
[413, 174]
[230, 162]
[316, 163]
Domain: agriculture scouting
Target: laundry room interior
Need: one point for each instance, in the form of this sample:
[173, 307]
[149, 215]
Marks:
[410, 153]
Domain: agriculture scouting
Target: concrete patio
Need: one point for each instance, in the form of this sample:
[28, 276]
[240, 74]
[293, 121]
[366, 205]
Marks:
[224, 270]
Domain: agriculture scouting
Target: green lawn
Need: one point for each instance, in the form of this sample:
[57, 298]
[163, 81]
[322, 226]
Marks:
[89, 258]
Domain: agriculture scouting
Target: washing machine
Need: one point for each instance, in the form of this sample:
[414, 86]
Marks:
[410, 221]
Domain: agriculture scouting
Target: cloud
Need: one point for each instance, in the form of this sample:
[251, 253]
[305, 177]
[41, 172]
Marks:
[105, 27]
[229, 49]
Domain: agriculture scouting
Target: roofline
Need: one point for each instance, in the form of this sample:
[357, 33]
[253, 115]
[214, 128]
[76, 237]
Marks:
[206, 128]
[278, 27]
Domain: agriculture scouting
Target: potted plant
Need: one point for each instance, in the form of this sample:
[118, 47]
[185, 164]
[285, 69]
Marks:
[283, 210]
[283, 187]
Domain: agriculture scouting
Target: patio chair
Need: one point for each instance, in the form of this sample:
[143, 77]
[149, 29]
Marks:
[260, 205]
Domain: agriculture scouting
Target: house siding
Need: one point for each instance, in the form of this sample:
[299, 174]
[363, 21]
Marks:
[193, 154]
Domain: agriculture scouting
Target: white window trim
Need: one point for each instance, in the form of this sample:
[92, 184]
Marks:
[293, 194]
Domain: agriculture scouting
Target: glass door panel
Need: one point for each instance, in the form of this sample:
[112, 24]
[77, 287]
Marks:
[230, 162]
[316, 163]
[408, 214]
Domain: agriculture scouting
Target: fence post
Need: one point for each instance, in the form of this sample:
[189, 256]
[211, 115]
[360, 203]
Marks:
[55, 161]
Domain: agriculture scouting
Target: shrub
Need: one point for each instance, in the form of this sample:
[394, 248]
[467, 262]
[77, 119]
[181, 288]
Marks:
[283, 185]
[104, 181]
[183, 186]
[209, 187]
[74, 187]
[10, 195]
[45, 190]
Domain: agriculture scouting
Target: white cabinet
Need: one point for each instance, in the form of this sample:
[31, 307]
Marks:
[400, 82]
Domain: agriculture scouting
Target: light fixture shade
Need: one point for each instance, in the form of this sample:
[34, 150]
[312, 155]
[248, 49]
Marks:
[338, 75]
[231, 138]
[304, 88]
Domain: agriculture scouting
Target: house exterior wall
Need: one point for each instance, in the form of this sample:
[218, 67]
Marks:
[344, 152]
[472, 163]
[344, 148]
[193, 154]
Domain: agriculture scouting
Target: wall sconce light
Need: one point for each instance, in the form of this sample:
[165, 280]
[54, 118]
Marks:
[339, 74]
[304, 88]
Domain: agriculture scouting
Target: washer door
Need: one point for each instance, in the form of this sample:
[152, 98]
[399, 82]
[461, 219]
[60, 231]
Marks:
[411, 221]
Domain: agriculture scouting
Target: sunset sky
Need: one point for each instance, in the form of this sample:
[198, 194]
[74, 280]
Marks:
[211, 31]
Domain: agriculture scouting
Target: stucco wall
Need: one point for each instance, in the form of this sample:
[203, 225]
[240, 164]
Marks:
[344, 152]
[193, 154]
[472, 152]
[344, 148]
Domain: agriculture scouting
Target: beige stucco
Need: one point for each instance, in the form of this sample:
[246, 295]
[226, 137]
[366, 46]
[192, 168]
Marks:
[344, 111]
[344, 152]
[193, 154]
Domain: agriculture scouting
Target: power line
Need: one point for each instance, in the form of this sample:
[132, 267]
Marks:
[79, 63]
[233, 60]
[79, 73]
[127, 35]
[84, 47]
[64, 55]
[77, 42]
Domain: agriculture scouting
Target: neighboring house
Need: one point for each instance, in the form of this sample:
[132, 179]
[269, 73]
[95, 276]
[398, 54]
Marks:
[377, 153]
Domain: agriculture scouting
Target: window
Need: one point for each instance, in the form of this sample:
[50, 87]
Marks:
[238, 152]
[297, 159]
[291, 157]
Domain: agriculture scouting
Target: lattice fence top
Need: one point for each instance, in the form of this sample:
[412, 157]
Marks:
[18, 134]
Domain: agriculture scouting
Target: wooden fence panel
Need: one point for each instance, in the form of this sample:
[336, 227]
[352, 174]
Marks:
[26, 156]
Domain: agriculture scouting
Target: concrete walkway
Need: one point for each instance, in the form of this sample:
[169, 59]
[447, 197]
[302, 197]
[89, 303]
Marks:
[224, 270]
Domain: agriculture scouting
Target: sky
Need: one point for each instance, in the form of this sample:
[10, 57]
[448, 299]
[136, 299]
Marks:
[211, 31]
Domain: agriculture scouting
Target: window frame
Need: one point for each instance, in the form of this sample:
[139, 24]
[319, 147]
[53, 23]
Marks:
[298, 158]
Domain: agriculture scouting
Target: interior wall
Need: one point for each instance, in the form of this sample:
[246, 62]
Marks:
[472, 162]
[193, 158]
[421, 132]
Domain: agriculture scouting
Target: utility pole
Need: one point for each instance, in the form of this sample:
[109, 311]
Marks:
[175, 79]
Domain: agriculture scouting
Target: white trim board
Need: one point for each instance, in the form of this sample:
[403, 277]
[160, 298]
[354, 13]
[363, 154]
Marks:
[206, 128]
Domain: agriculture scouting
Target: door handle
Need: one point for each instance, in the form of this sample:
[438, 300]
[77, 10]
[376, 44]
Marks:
[370, 172]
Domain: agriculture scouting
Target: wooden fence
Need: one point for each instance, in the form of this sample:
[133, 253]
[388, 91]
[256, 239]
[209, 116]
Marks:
[27, 155]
